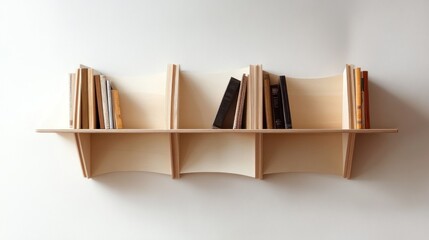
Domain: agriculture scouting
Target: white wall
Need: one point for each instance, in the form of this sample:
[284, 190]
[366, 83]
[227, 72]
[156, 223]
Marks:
[43, 193]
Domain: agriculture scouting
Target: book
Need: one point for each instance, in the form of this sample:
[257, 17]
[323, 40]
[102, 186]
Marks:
[92, 120]
[366, 99]
[77, 101]
[99, 97]
[116, 109]
[105, 105]
[277, 108]
[358, 98]
[351, 75]
[347, 120]
[267, 101]
[285, 102]
[110, 104]
[84, 96]
[72, 79]
[241, 98]
[225, 114]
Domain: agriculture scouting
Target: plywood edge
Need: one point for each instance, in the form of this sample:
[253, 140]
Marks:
[123, 171]
[217, 172]
[172, 96]
[204, 131]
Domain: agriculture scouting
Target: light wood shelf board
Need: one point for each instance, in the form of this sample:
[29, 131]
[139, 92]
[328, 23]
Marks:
[215, 131]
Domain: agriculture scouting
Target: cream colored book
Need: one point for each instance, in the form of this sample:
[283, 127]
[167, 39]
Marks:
[104, 100]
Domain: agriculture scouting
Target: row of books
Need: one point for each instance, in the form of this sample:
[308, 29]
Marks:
[94, 104]
[358, 92]
[232, 110]
[276, 109]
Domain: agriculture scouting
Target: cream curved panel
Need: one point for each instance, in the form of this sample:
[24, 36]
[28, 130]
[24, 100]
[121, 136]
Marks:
[315, 103]
[200, 96]
[130, 152]
[143, 101]
[317, 153]
[218, 152]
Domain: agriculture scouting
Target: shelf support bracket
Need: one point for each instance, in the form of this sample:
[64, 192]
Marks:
[348, 148]
[83, 142]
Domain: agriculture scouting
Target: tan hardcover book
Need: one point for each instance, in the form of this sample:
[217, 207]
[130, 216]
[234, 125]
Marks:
[92, 113]
[238, 117]
[267, 101]
[103, 83]
[72, 89]
[99, 101]
[116, 109]
[84, 100]
[358, 98]
[77, 123]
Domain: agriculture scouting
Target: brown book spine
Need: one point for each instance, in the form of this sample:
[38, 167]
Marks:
[366, 99]
[99, 98]
[117, 109]
[358, 99]
[239, 110]
[84, 94]
[267, 101]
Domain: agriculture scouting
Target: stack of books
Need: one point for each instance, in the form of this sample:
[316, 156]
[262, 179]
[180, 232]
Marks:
[356, 82]
[94, 103]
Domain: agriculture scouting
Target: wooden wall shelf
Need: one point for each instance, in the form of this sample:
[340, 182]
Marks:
[178, 139]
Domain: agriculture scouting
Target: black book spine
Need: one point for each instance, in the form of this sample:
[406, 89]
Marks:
[225, 114]
[276, 105]
[285, 103]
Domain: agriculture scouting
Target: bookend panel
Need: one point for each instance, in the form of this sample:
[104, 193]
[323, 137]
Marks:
[218, 152]
[131, 152]
[315, 153]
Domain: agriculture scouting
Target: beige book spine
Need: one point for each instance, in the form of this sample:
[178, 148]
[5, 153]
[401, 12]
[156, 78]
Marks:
[238, 117]
[77, 123]
[267, 101]
[117, 109]
[91, 100]
[358, 99]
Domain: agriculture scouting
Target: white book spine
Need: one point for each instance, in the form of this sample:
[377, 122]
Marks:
[103, 83]
[109, 103]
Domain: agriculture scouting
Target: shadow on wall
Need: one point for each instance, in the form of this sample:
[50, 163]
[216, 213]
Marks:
[391, 165]
[397, 162]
